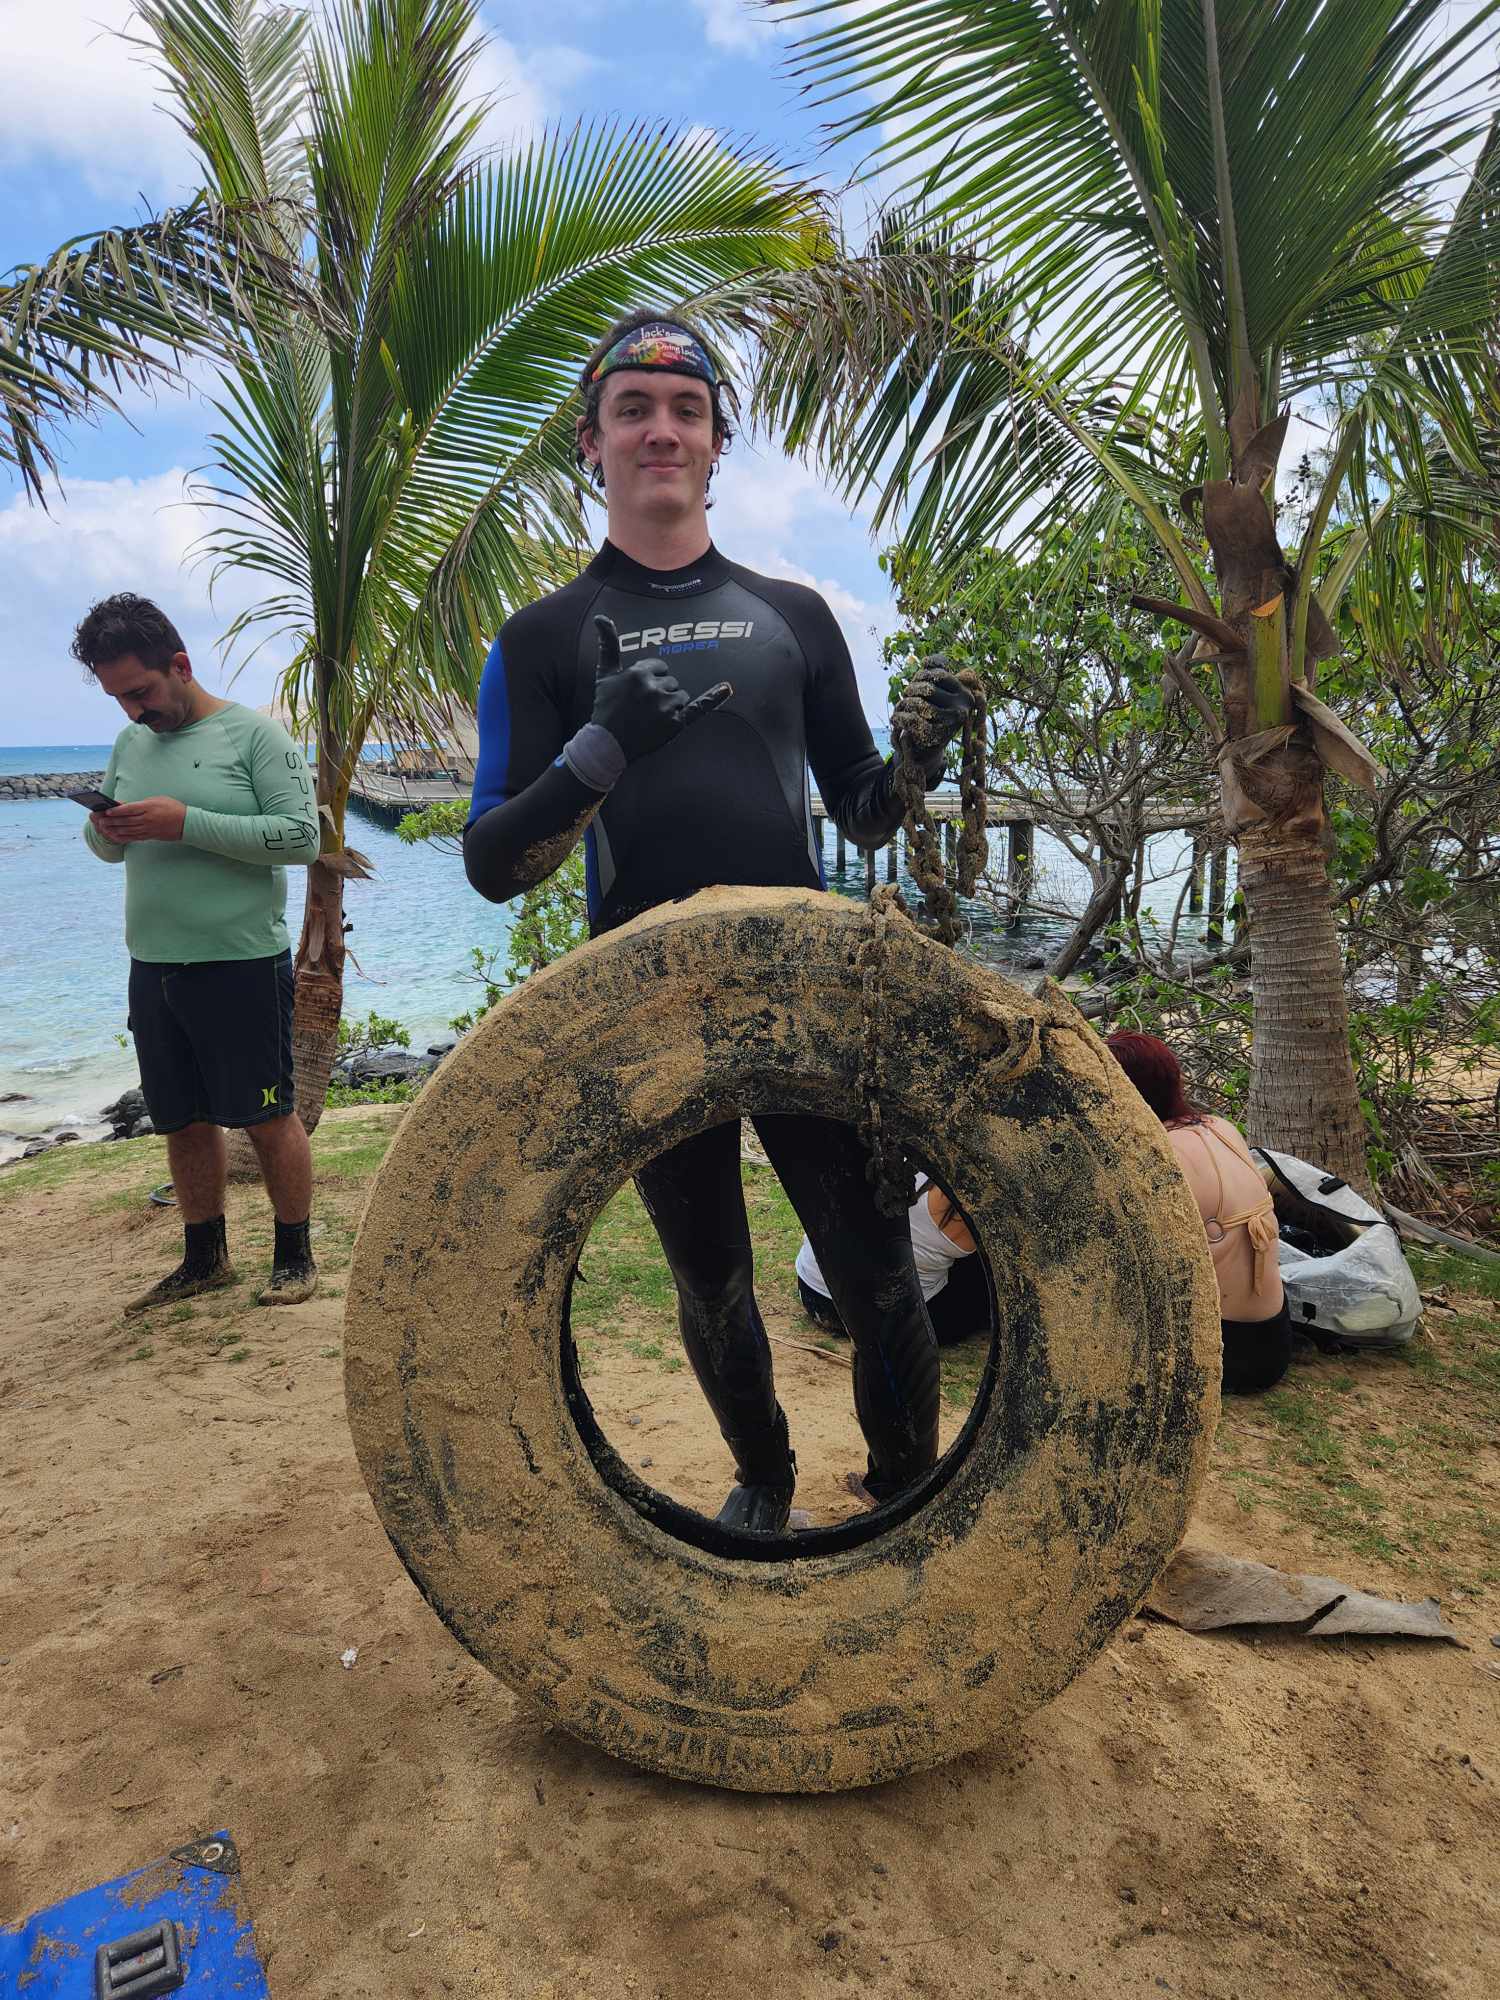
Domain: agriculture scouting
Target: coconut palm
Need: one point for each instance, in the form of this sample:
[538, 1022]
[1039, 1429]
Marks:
[1185, 220]
[397, 466]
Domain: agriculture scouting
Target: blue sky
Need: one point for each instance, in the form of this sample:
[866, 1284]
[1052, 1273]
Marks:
[83, 145]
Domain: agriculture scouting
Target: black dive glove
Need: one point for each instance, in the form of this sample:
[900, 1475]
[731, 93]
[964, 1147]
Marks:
[642, 706]
[931, 711]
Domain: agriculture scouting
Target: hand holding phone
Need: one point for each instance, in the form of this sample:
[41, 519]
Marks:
[93, 798]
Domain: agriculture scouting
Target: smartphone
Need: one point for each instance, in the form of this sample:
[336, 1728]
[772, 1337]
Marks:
[95, 800]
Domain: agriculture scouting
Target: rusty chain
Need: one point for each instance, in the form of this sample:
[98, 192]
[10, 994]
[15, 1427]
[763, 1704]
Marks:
[890, 1171]
[939, 916]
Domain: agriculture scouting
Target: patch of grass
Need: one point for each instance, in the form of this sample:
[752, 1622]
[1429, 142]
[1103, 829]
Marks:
[1436, 1269]
[187, 1310]
[353, 1163]
[143, 1353]
[329, 1353]
[396, 1091]
[238, 1354]
[82, 1161]
[622, 1272]
[1378, 1457]
[124, 1201]
[1422, 1359]
[350, 1149]
[963, 1367]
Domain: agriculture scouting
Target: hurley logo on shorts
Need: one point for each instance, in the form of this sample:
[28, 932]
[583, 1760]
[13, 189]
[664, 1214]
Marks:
[268, 1095]
[703, 632]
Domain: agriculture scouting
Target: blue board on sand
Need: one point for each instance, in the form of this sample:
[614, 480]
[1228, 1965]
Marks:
[196, 1889]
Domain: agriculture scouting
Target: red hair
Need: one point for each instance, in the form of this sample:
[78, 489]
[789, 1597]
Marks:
[1156, 1074]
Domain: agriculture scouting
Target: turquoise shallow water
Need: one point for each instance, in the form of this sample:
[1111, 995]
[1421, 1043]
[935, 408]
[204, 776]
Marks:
[62, 922]
[62, 919]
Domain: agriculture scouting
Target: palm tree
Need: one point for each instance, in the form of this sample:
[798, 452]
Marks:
[1184, 221]
[397, 465]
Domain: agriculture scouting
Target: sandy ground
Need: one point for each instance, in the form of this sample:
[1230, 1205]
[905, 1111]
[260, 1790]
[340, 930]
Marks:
[190, 1549]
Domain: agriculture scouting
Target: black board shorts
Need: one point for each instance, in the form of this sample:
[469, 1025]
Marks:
[1257, 1352]
[214, 1041]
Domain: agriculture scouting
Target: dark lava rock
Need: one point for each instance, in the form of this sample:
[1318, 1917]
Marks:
[125, 1112]
[385, 1066]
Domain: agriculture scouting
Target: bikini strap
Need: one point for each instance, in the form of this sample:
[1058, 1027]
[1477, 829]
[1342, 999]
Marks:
[1205, 1133]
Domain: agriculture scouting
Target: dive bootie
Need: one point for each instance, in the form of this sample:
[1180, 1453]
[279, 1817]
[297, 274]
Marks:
[766, 1468]
[205, 1267]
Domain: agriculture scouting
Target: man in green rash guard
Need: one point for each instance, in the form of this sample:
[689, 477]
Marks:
[213, 803]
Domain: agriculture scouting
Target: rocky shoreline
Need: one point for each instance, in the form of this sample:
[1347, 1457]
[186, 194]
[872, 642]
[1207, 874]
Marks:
[47, 784]
[128, 1118]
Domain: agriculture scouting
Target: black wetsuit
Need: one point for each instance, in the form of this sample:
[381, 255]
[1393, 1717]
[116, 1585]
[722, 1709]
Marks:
[725, 802]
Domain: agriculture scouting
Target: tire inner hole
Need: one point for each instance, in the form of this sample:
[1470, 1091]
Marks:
[631, 1373]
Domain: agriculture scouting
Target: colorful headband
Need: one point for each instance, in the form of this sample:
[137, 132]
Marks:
[659, 345]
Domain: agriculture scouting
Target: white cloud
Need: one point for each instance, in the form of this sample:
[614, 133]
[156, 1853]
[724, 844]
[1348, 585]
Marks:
[105, 535]
[735, 26]
[71, 91]
[530, 87]
[759, 496]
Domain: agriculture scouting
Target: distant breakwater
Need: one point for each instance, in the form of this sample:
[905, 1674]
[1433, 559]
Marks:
[47, 784]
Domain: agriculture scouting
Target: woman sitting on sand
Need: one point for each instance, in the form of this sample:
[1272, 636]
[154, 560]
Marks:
[952, 1277]
[1238, 1217]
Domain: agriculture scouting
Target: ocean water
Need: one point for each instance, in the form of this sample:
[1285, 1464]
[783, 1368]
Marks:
[63, 1045]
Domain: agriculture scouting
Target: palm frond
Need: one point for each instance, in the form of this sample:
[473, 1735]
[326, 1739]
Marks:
[1163, 201]
[127, 306]
[235, 76]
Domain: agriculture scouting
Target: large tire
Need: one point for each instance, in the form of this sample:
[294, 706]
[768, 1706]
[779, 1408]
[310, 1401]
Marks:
[842, 1656]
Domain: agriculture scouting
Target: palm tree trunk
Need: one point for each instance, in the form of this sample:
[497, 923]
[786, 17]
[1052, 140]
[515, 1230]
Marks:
[319, 1000]
[319, 964]
[1303, 1095]
[1303, 1100]
[318, 996]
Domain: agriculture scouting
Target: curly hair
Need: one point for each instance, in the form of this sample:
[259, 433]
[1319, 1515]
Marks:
[719, 393]
[125, 623]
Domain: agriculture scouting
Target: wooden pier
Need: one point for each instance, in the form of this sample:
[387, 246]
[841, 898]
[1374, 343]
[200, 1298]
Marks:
[1018, 817]
[381, 790]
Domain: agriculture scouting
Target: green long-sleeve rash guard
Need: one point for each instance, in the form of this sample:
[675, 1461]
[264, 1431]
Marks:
[220, 891]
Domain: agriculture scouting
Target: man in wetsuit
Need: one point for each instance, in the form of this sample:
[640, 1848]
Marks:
[664, 709]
